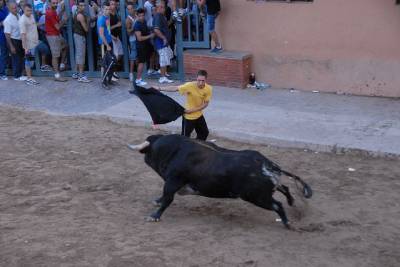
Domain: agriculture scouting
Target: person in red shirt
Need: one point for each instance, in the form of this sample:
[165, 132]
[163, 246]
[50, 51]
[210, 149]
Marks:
[56, 42]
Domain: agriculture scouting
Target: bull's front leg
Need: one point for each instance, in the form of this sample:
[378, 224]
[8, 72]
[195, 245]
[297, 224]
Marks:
[171, 186]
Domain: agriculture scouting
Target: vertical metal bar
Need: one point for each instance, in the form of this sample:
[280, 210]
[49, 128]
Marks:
[179, 51]
[70, 36]
[197, 24]
[122, 13]
[89, 42]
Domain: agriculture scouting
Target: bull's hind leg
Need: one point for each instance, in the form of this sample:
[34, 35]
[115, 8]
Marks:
[285, 190]
[171, 186]
[270, 204]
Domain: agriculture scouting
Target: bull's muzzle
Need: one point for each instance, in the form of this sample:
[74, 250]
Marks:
[140, 146]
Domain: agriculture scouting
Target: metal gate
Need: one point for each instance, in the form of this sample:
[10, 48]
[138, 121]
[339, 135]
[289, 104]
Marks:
[190, 33]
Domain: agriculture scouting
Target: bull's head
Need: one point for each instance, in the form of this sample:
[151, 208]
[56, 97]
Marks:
[146, 145]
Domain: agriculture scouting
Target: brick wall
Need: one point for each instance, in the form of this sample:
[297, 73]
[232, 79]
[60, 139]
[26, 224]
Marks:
[229, 68]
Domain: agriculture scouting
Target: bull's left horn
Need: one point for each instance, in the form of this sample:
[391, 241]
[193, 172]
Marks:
[140, 146]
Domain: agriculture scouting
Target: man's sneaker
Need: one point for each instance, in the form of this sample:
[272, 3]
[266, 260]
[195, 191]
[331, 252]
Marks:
[217, 49]
[31, 81]
[75, 75]
[83, 79]
[62, 67]
[45, 68]
[21, 78]
[141, 82]
[165, 80]
[3, 78]
[115, 75]
[166, 74]
[151, 72]
[131, 77]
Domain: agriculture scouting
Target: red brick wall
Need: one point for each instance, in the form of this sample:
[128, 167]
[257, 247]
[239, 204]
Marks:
[231, 69]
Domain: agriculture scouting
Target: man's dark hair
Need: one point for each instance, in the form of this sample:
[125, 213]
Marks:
[140, 11]
[106, 3]
[28, 5]
[202, 73]
[130, 4]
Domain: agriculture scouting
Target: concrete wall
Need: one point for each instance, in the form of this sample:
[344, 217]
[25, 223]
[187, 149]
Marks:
[350, 46]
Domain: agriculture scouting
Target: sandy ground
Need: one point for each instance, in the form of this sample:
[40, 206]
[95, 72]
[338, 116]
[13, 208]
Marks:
[72, 194]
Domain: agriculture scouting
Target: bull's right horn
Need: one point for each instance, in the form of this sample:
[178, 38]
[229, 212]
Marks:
[140, 146]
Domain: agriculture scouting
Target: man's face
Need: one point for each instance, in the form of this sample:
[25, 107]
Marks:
[161, 8]
[54, 4]
[106, 11]
[113, 6]
[131, 10]
[201, 81]
[81, 7]
[28, 11]
[140, 17]
[13, 8]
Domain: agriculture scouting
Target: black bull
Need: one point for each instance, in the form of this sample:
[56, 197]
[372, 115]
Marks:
[212, 171]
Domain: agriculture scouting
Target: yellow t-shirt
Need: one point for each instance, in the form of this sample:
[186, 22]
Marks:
[195, 97]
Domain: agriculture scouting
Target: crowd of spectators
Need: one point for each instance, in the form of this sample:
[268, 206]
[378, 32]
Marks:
[40, 30]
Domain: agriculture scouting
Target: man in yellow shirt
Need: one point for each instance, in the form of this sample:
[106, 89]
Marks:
[198, 95]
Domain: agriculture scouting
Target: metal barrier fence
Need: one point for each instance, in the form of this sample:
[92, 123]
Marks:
[190, 33]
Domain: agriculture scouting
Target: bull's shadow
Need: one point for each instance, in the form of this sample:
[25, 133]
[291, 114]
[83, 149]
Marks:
[190, 166]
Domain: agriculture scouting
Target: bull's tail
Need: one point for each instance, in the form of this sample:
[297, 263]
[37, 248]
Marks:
[307, 191]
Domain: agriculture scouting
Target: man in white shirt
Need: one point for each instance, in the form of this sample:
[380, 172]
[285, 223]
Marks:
[148, 6]
[13, 37]
[30, 40]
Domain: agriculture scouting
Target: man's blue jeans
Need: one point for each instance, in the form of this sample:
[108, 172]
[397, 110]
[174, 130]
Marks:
[3, 58]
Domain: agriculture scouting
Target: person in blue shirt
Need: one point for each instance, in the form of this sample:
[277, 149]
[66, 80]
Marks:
[3, 43]
[103, 27]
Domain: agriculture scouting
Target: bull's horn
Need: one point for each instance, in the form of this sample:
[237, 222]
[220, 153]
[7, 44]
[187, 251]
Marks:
[140, 146]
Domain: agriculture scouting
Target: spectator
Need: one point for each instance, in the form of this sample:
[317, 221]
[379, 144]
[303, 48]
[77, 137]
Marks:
[3, 42]
[20, 6]
[130, 21]
[161, 41]
[105, 39]
[80, 29]
[43, 47]
[143, 45]
[30, 40]
[149, 7]
[213, 9]
[57, 44]
[13, 36]
[116, 29]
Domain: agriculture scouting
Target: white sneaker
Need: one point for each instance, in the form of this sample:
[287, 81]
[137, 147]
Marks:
[3, 78]
[151, 72]
[21, 78]
[141, 82]
[165, 80]
[166, 74]
[131, 77]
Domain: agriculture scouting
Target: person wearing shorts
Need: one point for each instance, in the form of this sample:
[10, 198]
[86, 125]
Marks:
[213, 8]
[30, 40]
[143, 46]
[80, 29]
[57, 43]
[130, 22]
[161, 41]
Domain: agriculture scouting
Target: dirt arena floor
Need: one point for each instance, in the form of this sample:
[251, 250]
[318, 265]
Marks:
[72, 194]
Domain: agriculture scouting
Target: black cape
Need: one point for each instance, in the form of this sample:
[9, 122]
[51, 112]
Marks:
[162, 108]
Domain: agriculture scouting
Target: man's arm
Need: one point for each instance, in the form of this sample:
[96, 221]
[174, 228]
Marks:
[142, 38]
[9, 43]
[103, 38]
[160, 35]
[168, 88]
[82, 20]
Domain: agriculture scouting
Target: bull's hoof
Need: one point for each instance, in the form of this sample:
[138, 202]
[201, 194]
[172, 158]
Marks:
[152, 219]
